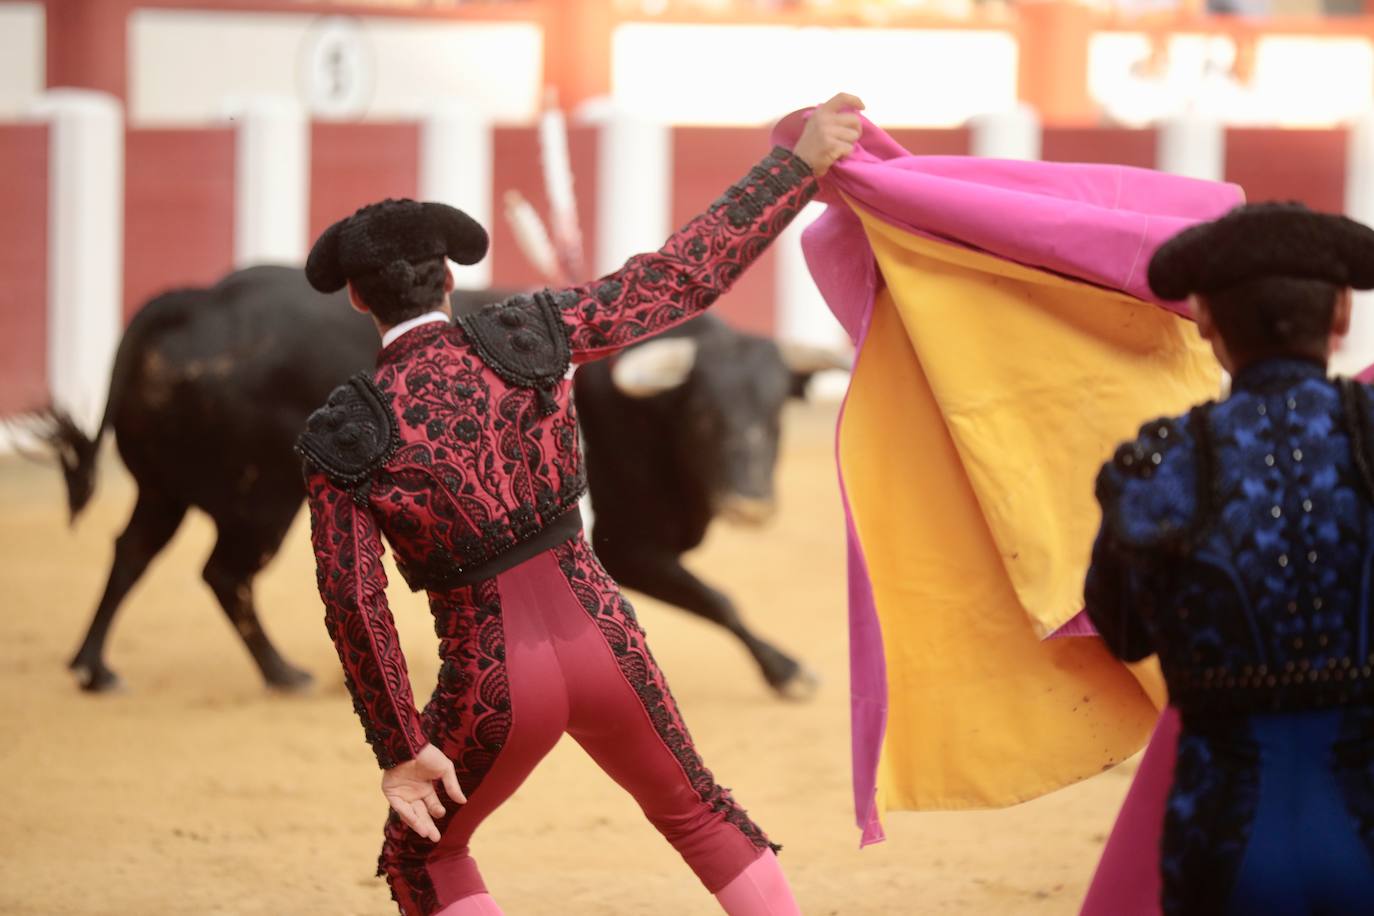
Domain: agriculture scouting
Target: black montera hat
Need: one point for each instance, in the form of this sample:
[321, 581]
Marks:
[1264, 240]
[392, 232]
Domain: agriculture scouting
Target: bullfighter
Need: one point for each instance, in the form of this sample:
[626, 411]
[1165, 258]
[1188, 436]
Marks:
[462, 450]
[1236, 542]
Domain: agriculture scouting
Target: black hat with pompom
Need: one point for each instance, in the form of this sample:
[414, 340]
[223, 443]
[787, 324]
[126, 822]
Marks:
[1264, 240]
[389, 237]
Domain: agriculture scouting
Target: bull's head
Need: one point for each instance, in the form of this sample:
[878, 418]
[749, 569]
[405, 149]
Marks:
[729, 390]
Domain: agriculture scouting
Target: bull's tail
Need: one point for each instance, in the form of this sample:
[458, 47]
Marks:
[78, 454]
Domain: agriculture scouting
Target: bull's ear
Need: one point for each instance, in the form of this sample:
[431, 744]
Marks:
[654, 367]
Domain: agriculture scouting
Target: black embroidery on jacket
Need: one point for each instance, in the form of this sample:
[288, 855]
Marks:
[352, 435]
[524, 341]
[1355, 401]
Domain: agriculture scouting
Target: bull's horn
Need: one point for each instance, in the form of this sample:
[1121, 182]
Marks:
[654, 367]
[811, 358]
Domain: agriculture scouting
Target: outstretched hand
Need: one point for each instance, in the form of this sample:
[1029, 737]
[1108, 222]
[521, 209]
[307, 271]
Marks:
[409, 788]
[830, 133]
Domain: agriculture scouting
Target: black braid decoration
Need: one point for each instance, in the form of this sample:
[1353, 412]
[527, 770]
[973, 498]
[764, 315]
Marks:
[525, 342]
[353, 435]
[1355, 401]
[1208, 483]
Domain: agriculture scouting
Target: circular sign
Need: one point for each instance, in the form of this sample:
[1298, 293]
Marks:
[338, 68]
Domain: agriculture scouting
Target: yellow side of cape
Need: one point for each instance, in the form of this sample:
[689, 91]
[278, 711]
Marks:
[986, 396]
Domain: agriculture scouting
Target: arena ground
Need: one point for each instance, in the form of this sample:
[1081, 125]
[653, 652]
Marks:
[196, 791]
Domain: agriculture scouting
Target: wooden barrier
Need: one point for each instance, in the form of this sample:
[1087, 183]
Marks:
[706, 161]
[178, 210]
[516, 166]
[1304, 165]
[23, 267]
[1100, 144]
[356, 164]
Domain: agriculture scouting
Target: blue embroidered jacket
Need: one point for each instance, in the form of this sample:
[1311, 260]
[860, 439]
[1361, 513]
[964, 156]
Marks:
[1237, 543]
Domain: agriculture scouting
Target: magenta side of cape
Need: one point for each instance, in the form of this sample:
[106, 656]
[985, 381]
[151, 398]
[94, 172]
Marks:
[842, 265]
[1097, 223]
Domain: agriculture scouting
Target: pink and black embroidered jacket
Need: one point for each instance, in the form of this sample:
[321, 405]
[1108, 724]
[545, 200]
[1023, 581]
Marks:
[462, 448]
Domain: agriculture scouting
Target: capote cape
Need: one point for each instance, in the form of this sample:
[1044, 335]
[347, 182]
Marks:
[1007, 341]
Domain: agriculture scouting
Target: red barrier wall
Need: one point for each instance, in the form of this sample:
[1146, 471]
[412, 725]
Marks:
[1304, 165]
[920, 142]
[517, 167]
[178, 210]
[1100, 144]
[23, 267]
[179, 198]
[356, 164]
[706, 161]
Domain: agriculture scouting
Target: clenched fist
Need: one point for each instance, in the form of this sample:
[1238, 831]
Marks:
[830, 133]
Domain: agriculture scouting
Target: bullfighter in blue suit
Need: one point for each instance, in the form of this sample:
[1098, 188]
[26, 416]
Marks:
[1237, 542]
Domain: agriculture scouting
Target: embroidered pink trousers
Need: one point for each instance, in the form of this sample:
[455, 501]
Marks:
[548, 647]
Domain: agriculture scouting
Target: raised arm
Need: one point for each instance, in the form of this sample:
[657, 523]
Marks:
[702, 260]
[658, 290]
[352, 582]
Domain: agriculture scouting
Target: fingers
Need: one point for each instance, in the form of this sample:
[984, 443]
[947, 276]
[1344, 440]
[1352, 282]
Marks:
[849, 121]
[842, 101]
[831, 133]
[451, 786]
[416, 817]
[424, 824]
[433, 805]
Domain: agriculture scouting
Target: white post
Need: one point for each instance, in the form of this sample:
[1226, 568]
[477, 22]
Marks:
[1357, 350]
[634, 185]
[271, 180]
[456, 169]
[802, 317]
[1192, 145]
[1012, 134]
[85, 246]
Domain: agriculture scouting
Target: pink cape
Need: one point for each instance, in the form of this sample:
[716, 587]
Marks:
[1095, 223]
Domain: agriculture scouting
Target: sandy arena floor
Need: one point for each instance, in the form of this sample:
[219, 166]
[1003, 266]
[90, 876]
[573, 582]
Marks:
[197, 791]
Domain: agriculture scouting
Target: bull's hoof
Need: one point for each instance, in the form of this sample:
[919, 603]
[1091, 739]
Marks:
[290, 680]
[96, 678]
[800, 686]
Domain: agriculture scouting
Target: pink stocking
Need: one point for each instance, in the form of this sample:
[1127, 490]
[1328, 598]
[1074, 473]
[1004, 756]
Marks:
[473, 905]
[759, 890]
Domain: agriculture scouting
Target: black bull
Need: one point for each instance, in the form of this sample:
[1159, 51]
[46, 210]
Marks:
[211, 386]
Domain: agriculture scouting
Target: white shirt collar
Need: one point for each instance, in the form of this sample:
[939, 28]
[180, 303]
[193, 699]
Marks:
[411, 324]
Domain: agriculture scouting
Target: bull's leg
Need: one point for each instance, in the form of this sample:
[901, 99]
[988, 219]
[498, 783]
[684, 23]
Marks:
[661, 575]
[155, 519]
[239, 554]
